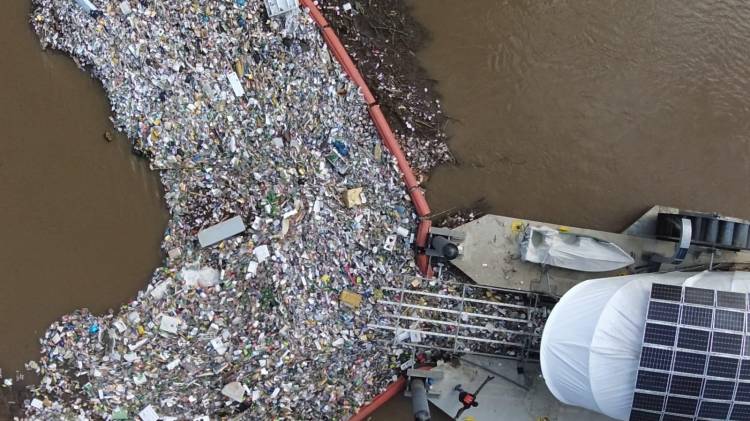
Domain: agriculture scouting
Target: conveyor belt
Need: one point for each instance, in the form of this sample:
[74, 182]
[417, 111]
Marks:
[709, 230]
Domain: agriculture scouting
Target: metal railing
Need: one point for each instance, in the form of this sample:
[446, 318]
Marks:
[462, 318]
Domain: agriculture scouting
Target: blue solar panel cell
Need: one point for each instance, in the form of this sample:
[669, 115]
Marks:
[718, 389]
[740, 412]
[722, 367]
[656, 358]
[729, 320]
[648, 401]
[715, 410]
[688, 362]
[665, 312]
[731, 300]
[726, 343]
[685, 385]
[637, 415]
[659, 334]
[699, 296]
[743, 392]
[684, 406]
[696, 316]
[666, 292]
[651, 380]
[694, 339]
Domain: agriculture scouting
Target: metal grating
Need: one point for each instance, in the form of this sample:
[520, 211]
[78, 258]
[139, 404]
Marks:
[462, 318]
[695, 360]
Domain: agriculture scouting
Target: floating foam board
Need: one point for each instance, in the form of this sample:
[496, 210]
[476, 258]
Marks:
[221, 231]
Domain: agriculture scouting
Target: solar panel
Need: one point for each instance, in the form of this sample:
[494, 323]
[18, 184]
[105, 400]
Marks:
[718, 410]
[685, 385]
[695, 360]
[652, 380]
[666, 292]
[688, 362]
[648, 401]
[684, 406]
[740, 412]
[696, 316]
[729, 320]
[657, 358]
[694, 339]
[722, 367]
[743, 392]
[665, 312]
[726, 343]
[699, 296]
[660, 334]
[730, 300]
[718, 389]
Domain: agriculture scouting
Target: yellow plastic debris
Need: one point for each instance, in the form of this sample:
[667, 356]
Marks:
[350, 299]
[378, 152]
[516, 226]
[563, 229]
[353, 197]
[141, 330]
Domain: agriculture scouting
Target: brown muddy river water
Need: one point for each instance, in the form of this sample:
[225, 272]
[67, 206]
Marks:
[81, 219]
[588, 112]
[578, 112]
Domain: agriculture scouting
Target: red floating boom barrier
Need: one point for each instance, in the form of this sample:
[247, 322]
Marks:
[389, 139]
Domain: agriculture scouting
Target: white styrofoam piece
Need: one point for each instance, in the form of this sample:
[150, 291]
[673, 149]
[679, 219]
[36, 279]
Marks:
[234, 81]
[148, 414]
[221, 231]
[169, 324]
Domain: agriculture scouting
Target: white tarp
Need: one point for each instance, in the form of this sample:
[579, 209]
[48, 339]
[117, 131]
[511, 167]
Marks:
[550, 247]
[592, 339]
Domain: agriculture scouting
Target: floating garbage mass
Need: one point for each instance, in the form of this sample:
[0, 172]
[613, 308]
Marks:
[244, 116]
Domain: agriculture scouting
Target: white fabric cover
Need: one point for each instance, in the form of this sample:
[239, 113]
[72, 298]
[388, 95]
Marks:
[551, 247]
[592, 340]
